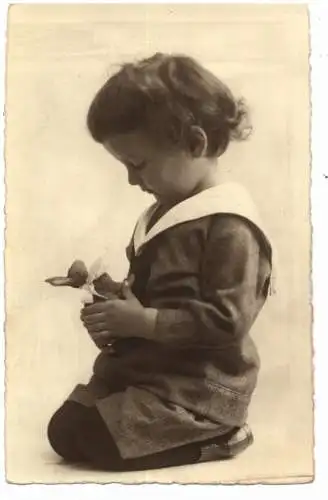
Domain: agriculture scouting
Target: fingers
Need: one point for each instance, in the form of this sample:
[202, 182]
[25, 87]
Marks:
[91, 319]
[127, 292]
[95, 323]
[97, 307]
[101, 339]
[99, 334]
[96, 328]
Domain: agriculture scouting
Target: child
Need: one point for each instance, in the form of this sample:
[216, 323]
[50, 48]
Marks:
[176, 385]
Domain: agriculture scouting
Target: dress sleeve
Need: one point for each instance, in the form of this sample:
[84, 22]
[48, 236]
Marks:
[230, 290]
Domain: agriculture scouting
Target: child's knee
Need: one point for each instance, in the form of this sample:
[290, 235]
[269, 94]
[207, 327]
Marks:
[62, 420]
[61, 431]
[77, 433]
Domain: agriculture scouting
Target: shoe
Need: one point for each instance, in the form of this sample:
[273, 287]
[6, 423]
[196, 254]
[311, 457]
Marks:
[221, 449]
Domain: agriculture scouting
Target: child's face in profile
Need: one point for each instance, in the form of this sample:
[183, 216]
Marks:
[168, 173]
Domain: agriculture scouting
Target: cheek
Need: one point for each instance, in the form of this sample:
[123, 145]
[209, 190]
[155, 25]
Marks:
[174, 175]
[154, 176]
[165, 178]
[165, 175]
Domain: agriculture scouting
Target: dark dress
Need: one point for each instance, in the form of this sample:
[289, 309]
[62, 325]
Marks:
[207, 271]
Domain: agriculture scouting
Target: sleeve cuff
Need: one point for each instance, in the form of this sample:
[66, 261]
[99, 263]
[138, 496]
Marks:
[150, 322]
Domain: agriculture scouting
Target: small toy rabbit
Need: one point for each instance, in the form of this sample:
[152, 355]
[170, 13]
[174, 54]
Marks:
[102, 287]
[99, 284]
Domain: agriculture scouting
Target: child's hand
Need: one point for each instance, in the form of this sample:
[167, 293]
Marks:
[112, 319]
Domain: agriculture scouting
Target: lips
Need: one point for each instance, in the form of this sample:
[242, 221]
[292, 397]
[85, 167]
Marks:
[145, 189]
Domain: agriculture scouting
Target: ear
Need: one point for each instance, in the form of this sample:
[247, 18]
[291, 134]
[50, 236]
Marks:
[198, 142]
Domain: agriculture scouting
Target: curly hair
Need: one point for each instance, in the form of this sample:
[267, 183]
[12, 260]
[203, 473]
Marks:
[167, 95]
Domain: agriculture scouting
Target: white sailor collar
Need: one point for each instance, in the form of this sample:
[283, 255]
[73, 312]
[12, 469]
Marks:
[230, 198]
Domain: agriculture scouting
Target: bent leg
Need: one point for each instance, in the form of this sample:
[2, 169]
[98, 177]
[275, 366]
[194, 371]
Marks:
[62, 432]
[98, 446]
[78, 433]
[220, 448]
[101, 451]
[96, 442]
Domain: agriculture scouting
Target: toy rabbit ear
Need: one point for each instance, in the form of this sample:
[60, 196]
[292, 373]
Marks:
[59, 281]
[96, 270]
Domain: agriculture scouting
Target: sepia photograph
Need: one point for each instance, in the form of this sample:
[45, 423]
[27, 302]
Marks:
[158, 244]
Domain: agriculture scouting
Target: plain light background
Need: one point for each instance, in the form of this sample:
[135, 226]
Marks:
[67, 198]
